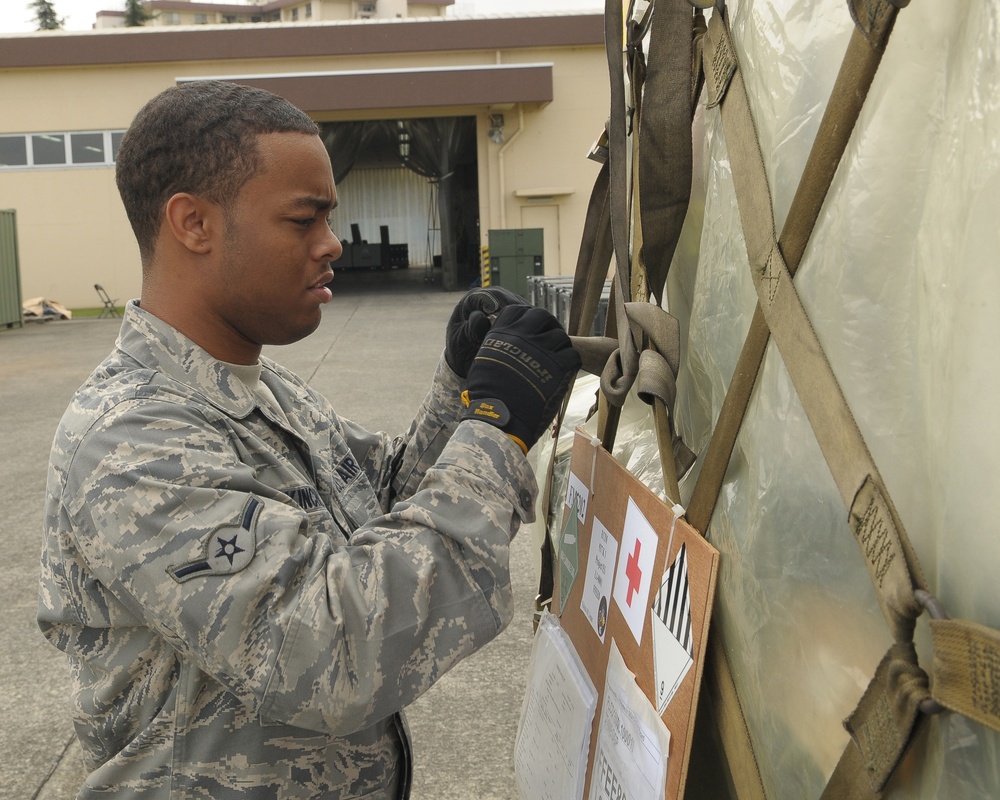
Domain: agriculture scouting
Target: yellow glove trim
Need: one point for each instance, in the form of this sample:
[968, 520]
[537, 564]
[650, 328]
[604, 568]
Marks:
[522, 445]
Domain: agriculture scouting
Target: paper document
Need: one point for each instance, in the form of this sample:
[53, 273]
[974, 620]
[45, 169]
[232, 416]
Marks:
[632, 741]
[634, 574]
[553, 737]
[672, 640]
[597, 587]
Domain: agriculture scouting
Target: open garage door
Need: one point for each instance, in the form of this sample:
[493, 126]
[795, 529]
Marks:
[408, 195]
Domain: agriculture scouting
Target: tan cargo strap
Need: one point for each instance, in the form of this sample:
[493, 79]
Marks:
[892, 564]
[664, 137]
[881, 727]
[864, 53]
[594, 257]
[884, 721]
[966, 669]
[668, 171]
[885, 718]
[731, 721]
[606, 234]
[849, 93]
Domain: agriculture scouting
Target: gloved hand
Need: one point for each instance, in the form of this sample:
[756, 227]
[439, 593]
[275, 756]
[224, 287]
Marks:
[520, 374]
[470, 322]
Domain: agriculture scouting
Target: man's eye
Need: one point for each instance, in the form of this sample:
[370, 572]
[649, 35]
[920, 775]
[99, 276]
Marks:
[304, 222]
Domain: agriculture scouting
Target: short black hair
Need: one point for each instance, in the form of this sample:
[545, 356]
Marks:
[198, 137]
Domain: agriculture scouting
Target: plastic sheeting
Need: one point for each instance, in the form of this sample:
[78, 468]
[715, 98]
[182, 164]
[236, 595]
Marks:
[901, 280]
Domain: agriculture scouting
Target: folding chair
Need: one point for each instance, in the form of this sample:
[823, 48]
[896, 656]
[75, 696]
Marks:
[109, 310]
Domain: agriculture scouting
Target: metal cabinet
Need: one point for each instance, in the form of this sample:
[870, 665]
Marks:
[514, 254]
[10, 271]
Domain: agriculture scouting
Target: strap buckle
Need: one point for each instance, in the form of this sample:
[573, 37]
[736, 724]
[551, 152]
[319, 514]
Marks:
[600, 149]
[935, 610]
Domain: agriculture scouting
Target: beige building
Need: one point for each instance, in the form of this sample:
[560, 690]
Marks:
[190, 12]
[532, 92]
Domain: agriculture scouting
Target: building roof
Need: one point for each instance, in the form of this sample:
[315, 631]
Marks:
[283, 40]
[414, 87]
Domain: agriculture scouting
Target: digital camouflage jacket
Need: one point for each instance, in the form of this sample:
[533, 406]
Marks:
[249, 588]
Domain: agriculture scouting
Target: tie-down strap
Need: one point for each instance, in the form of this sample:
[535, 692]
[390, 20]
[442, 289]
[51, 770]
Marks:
[891, 561]
[647, 357]
[621, 363]
[966, 666]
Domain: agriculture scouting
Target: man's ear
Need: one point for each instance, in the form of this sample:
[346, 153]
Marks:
[195, 223]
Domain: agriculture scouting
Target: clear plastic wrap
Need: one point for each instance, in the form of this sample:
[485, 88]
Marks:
[901, 280]
[902, 283]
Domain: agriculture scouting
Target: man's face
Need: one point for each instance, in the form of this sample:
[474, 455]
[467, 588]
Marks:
[274, 263]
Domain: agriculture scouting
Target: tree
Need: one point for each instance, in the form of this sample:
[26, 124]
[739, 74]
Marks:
[45, 15]
[136, 13]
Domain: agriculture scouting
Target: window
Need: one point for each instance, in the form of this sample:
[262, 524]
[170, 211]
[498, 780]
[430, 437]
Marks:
[116, 142]
[172, 18]
[48, 148]
[229, 19]
[13, 151]
[295, 15]
[309, 10]
[87, 148]
[201, 19]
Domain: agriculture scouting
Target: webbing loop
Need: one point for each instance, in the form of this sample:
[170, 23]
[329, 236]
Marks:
[935, 610]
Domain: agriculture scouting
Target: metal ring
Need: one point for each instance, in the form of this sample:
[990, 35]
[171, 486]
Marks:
[935, 610]
[930, 604]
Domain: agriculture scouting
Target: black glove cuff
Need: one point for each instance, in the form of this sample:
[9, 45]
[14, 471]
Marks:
[496, 413]
[488, 409]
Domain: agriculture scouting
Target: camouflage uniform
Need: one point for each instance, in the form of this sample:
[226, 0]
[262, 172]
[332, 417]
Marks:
[248, 588]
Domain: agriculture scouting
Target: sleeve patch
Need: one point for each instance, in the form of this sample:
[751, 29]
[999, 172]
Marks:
[227, 549]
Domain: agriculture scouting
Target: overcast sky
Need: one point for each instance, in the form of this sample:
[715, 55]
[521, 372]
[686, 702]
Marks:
[16, 16]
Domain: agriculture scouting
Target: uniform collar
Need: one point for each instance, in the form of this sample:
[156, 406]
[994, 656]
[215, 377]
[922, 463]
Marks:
[156, 345]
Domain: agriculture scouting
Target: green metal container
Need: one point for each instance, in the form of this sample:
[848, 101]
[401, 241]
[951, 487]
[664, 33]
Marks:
[10, 271]
[514, 254]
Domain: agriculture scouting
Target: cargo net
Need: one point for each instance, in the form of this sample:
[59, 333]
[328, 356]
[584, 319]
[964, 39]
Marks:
[821, 431]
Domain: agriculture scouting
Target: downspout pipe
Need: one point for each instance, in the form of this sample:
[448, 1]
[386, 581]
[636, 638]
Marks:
[500, 165]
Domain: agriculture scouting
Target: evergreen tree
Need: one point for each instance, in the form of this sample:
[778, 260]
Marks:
[136, 13]
[45, 15]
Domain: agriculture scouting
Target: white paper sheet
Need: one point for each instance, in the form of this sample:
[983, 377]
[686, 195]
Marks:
[673, 643]
[634, 575]
[596, 598]
[553, 737]
[577, 496]
[632, 742]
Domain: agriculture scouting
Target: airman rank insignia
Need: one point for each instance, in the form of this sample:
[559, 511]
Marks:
[227, 549]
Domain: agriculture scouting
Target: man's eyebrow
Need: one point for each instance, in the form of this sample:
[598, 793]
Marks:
[315, 203]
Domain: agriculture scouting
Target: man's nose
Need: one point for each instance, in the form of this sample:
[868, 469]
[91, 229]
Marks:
[331, 248]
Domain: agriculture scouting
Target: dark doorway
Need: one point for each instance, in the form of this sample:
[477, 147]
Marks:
[437, 153]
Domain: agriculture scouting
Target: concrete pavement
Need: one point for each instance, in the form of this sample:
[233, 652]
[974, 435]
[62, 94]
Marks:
[373, 356]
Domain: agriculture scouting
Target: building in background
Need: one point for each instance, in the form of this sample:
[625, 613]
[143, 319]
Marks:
[190, 12]
[524, 98]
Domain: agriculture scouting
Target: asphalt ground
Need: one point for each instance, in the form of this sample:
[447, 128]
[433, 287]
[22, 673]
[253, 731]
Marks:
[373, 357]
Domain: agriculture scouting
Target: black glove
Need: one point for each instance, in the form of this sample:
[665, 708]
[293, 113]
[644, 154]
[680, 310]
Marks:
[521, 372]
[470, 321]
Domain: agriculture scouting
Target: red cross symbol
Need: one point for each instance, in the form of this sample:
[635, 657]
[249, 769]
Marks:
[634, 573]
